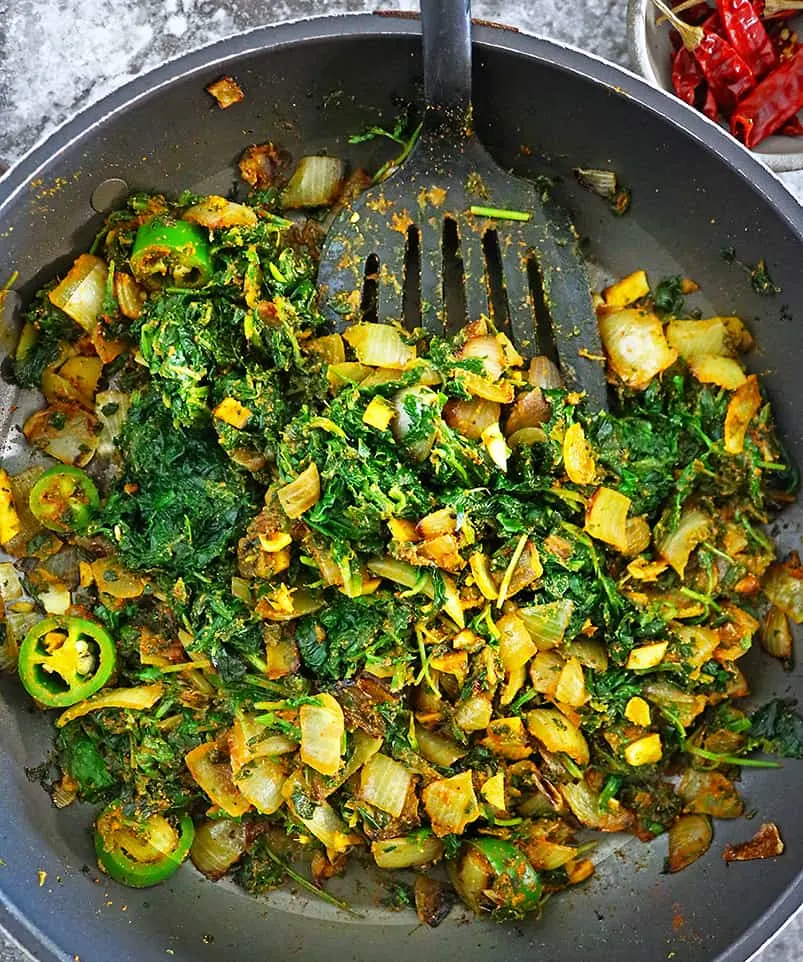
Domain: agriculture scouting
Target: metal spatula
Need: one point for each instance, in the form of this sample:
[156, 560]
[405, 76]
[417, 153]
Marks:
[451, 236]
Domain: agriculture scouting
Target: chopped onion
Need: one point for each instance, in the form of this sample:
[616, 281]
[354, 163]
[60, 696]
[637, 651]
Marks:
[216, 212]
[783, 585]
[585, 806]
[545, 671]
[636, 347]
[451, 804]
[64, 431]
[776, 635]
[385, 783]
[558, 734]
[638, 536]
[302, 493]
[507, 738]
[742, 408]
[578, 458]
[606, 517]
[543, 373]
[218, 844]
[322, 730]
[722, 371]
[10, 584]
[315, 182]
[600, 182]
[261, 782]
[547, 623]
[438, 749]
[689, 838]
[80, 295]
[411, 577]
[718, 336]
[590, 652]
[407, 851]
[140, 698]
[488, 350]
[473, 714]
[676, 547]
[214, 776]
[571, 687]
[516, 646]
[471, 418]
[380, 345]
[499, 391]
[494, 444]
[766, 843]
[682, 704]
[111, 410]
[415, 405]
[323, 822]
[529, 411]
[115, 580]
[710, 793]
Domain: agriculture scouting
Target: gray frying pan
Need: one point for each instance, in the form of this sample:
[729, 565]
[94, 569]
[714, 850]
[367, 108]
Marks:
[538, 105]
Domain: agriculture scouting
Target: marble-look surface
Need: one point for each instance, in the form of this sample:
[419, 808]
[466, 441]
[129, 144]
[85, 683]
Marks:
[57, 56]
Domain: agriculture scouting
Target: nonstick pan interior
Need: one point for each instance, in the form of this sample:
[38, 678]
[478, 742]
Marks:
[539, 107]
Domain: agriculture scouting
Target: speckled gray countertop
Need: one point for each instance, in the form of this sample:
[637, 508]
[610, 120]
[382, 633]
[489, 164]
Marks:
[57, 56]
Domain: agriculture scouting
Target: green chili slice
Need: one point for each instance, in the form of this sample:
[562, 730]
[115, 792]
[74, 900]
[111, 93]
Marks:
[64, 660]
[517, 887]
[171, 253]
[64, 499]
[140, 852]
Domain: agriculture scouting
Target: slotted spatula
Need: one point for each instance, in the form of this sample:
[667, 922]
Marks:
[451, 236]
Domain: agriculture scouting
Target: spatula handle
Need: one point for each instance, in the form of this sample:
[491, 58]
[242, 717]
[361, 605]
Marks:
[446, 28]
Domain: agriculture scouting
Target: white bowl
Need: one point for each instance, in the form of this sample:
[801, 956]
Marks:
[650, 50]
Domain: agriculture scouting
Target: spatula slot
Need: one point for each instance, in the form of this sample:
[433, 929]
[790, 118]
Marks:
[497, 298]
[411, 288]
[454, 295]
[544, 336]
[368, 303]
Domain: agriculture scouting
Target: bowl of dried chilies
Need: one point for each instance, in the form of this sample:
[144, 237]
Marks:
[739, 62]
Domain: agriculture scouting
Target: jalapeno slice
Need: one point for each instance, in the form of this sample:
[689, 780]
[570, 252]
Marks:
[63, 660]
[64, 499]
[168, 252]
[140, 852]
[517, 887]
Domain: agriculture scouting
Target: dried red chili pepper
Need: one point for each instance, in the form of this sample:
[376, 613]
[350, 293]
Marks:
[728, 76]
[745, 32]
[775, 100]
[687, 78]
[710, 106]
[792, 128]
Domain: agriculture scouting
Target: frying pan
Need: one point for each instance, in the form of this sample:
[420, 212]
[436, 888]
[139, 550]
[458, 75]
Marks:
[538, 106]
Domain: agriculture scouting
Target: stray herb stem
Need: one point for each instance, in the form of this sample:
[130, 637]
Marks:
[499, 213]
[309, 887]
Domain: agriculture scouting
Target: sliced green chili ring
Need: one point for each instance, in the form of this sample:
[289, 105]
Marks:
[171, 253]
[517, 888]
[64, 660]
[64, 499]
[140, 852]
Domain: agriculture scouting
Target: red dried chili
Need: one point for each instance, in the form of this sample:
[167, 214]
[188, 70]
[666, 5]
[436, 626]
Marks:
[746, 33]
[687, 78]
[792, 128]
[775, 100]
[728, 76]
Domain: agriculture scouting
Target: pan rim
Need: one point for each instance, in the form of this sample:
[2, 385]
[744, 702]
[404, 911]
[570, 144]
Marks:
[618, 80]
